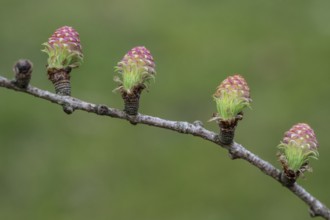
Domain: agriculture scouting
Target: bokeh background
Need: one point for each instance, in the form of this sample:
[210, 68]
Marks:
[74, 167]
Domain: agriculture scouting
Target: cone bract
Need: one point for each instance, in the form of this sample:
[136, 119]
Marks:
[298, 145]
[231, 97]
[135, 69]
[64, 49]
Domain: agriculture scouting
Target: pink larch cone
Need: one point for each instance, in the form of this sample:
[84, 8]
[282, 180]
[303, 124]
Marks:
[298, 146]
[135, 71]
[231, 96]
[65, 52]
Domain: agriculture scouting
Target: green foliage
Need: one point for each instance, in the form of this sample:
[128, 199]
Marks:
[229, 105]
[296, 155]
[132, 75]
[61, 57]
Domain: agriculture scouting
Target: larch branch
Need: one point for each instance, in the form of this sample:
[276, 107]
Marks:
[236, 150]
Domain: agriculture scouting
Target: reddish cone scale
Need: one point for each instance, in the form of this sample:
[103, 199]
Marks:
[302, 135]
[66, 37]
[236, 85]
[139, 56]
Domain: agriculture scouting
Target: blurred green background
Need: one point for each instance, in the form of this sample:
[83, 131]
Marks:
[83, 166]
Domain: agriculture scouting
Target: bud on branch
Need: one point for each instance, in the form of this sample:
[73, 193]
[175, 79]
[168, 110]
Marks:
[231, 97]
[298, 146]
[64, 53]
[135, 70]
